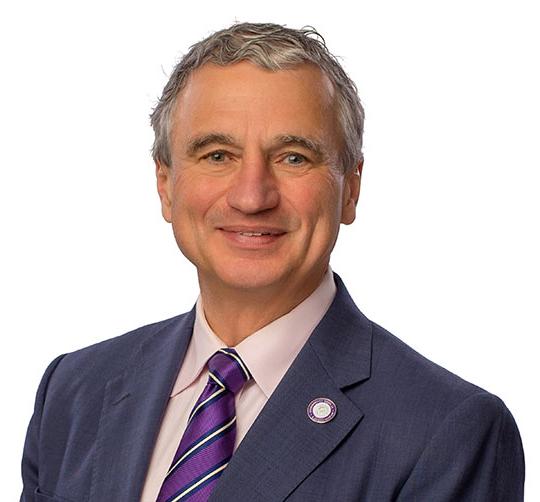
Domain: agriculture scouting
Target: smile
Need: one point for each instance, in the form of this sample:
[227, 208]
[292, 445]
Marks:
[251, 238]
[252, 230]
[255, 234]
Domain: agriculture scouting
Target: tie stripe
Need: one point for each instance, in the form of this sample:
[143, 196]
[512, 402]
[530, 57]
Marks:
[199, 482]
[213, 434]
[216, 378]
[214, 375]
[208, 441]
[207, 402]
[233, 354]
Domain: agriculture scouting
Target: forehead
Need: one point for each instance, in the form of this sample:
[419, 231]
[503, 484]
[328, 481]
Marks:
[244, 97]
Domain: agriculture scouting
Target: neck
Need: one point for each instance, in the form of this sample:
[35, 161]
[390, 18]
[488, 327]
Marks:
[234, 314]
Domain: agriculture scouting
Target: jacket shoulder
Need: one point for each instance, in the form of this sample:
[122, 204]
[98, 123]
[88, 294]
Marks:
[423, 415]
[107, 358]
[413, 372]
[415, 386]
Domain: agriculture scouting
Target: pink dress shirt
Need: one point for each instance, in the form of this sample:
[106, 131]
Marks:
[267, 353]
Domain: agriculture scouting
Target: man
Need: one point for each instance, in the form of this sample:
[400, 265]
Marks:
[275, 386]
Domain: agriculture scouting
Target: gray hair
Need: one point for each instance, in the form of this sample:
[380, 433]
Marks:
[273, 47]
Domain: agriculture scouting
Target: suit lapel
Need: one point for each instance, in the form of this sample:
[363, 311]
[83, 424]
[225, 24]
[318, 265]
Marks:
[133, 408]
[283, 445]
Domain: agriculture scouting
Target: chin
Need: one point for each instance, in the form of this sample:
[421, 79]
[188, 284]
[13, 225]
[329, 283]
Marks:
[251, 277]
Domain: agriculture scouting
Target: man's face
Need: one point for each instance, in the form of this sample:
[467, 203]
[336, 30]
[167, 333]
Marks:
[255, 152]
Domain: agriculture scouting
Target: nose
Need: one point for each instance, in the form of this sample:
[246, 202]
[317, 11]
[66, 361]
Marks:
[254, 187]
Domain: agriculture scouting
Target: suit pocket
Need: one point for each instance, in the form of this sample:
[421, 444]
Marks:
[40, 496]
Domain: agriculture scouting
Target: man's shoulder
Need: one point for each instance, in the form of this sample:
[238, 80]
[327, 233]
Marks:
[415, 386]
[396, 379]
[109, 357]
[397, 372]
[435, 425]
[125, 343]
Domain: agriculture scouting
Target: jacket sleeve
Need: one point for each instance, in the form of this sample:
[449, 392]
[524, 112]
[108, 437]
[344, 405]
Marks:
[30, 460]
[476, 455]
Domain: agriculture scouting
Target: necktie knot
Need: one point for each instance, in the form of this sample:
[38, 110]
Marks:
[227, 369]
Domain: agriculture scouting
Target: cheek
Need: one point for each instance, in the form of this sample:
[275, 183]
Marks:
[318, 203]
[193, 202]
[193, 197]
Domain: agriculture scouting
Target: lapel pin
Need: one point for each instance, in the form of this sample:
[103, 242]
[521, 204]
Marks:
[321, 410]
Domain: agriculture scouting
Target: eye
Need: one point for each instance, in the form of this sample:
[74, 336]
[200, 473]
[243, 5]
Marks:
[218, 156]
[295, 159]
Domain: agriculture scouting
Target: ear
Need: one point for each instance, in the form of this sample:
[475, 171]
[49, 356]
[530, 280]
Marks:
[351, 192]
[164, 187]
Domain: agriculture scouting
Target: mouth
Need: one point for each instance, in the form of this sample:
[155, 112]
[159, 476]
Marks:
[255, 234]
[253, 231]
[252, 237]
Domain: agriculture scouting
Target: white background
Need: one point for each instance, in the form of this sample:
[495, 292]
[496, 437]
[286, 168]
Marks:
[445, 249]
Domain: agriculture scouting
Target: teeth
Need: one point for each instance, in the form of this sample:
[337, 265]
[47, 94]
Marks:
[253, 234]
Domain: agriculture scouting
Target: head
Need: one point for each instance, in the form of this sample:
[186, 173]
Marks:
[273, 47]
[258, 155]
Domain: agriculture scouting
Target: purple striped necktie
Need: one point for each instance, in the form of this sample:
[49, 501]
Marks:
[208, 441]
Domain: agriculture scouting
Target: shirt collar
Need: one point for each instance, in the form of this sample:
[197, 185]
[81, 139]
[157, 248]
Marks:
[279, 342]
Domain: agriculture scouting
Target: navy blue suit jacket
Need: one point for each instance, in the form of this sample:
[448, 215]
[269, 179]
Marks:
[405, 430]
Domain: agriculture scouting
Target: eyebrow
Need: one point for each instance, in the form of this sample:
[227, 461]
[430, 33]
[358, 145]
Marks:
[199, 142]
[316, 147]
[311, 144]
